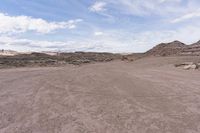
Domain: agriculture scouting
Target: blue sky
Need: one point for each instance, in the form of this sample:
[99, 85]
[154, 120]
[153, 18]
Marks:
[101, 26]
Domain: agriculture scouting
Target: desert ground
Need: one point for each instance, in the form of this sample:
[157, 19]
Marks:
[149, 95]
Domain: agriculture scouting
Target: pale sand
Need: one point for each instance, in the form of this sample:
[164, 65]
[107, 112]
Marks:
[146, 96]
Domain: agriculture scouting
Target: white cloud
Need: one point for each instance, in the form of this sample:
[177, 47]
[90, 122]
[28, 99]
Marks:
[21, 44]
[148, 7]
[20, 24]
[187, 16]
[98, 33]
[163, 1]
[105, 44]
[189, 34]
[98, 7]
[110, 41]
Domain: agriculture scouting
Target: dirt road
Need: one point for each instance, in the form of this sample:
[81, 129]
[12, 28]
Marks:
[146, 96]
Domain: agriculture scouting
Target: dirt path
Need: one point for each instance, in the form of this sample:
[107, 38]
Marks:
[113, 97]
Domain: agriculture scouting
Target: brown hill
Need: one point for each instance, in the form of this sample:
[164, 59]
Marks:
[193, 49]
[196, 44]
[166, 49]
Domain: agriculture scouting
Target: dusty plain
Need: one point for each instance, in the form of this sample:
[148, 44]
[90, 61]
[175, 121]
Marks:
[149, 95]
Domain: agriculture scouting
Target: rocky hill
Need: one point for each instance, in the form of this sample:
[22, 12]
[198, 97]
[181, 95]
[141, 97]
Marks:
[193, 49]
[167, 49]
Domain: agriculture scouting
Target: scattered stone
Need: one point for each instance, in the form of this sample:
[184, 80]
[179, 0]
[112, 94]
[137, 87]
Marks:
[183, 64]
[124, 58]
[188, 65]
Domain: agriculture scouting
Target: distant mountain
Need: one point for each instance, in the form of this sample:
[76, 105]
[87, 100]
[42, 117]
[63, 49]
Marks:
[8, 53]
[166, 49]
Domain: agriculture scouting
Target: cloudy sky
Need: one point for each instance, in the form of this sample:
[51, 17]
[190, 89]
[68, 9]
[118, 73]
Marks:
[102, 25]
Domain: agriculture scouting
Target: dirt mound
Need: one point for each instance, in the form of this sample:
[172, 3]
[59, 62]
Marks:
[167, 49]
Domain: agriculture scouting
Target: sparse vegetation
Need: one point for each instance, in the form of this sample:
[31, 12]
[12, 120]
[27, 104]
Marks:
[41, 59]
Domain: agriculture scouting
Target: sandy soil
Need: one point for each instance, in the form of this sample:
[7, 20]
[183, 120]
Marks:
[146, 96]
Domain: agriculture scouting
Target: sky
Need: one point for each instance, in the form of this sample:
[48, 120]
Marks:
[118, 26]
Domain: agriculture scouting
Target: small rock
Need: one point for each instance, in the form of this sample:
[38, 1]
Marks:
[192, 66]
[184, 64]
